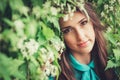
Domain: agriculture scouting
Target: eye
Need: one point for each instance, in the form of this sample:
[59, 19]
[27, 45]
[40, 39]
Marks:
[65, 31]
[84, 22]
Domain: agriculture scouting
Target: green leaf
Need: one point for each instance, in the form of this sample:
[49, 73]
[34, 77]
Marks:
[9, 67]
[41, 38]
[9, 35]
[5, 35]
[33, 68]
[110, 64]
[99, 2]
[9, 22]
[54, 20]
[23, 69]
[3, 4]
[47, 32]
[16, 4]
[37, 2]
[116, 54]
[31, 29]
[111, 38]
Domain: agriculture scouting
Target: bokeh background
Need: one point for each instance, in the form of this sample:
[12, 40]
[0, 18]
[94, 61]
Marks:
[30, 42]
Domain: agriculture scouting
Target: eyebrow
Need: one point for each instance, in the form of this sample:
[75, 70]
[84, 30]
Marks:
[81, 20]
[70, 26]
[65, 27]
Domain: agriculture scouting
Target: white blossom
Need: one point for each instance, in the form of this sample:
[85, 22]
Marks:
[51, 56]
[107, 11]
[43, 50]
[62, 6]
[66, 17]
[82, 1]
[47, 68]
[106, 6]
[58, 44]
[24, 10]
[36, 11]
[109, 29]
[50, 69]
[71, 15]
[61, 47]
[47, 5]
[53, 70]
[19, 24]
[20, 42]
[47, 71]
[44, 54]
[119, 1]
[112, 1]
[29, 48]
[44, 57]
[43, 76]
[118, 44]
[111, 8]
[47, 55]
[53, 10]
[102, 14]
[32, 46]
[24, 52]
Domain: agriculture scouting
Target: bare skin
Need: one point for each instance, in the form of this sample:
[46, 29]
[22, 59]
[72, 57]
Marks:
[79, 36]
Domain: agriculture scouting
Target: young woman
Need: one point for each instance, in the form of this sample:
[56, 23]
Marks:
[85, 57]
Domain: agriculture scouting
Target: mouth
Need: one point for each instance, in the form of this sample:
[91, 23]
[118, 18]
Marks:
[83, 44]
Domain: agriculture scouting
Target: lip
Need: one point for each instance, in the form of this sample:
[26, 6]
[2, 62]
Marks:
[83, 44]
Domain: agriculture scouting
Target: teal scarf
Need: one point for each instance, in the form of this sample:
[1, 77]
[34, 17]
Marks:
[82, 71]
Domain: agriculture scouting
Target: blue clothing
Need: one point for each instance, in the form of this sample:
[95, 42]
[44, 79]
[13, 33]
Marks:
[82, 71]
[51, 78]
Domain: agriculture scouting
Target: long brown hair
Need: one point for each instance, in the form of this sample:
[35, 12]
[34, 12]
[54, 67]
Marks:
[99, 52]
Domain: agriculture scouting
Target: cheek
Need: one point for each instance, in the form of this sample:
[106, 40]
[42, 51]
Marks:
[91, 33]
[92, 36]
[68, 40]
[91, 30]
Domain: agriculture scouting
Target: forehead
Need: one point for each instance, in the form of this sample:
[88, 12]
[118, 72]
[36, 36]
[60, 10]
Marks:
[73, 20]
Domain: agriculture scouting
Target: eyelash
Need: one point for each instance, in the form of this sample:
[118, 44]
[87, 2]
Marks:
[84, 22]
[65, 31]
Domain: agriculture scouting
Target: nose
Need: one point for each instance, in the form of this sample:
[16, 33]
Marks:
[80, 34]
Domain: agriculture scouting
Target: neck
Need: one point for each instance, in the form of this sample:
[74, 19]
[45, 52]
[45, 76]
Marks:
[82, 58]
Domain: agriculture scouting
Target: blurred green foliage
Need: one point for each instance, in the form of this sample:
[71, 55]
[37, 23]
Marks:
[108, 11]
[30, 37]
[27, 32]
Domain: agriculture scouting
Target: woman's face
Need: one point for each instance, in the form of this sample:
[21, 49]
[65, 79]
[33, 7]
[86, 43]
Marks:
[78, 34]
